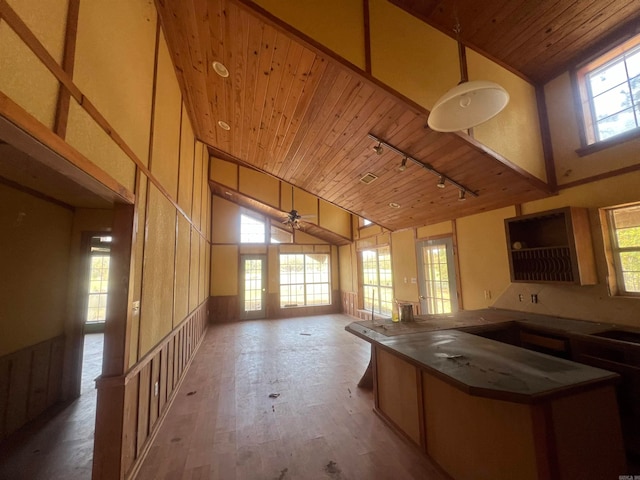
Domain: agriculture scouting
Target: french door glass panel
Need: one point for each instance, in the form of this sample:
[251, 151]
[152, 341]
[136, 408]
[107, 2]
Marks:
[252, 270]
[437, 276]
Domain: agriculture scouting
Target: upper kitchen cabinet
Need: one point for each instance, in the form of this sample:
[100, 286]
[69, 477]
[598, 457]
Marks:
[551, 247]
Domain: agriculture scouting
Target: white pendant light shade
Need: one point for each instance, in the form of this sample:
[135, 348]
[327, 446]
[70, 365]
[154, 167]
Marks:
[467, 105]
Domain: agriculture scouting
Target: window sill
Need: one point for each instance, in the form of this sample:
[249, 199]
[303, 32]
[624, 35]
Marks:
[608, 143]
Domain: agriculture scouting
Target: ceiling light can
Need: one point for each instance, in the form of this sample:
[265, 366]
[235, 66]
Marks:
[220, 69]
[224, 125]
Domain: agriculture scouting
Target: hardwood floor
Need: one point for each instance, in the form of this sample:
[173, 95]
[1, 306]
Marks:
[225, 423]
[59, 445]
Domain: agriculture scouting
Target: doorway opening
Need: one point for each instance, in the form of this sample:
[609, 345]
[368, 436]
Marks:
[436, 271]
[252, 287]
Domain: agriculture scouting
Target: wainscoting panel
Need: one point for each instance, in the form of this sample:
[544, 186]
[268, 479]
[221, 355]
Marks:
[150, 386]
[29, 383]
[225, 308]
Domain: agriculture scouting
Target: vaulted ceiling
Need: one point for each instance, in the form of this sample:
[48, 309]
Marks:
[537, 38]
[299, 113]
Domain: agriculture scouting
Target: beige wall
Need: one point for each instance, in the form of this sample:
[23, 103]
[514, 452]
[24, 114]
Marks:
[587, 302]
[114, 65]
[34, 254]
[563, 122]
[226, 250]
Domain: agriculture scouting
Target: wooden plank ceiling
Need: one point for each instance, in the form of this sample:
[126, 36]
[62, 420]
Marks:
[300, 114]
[539, 39]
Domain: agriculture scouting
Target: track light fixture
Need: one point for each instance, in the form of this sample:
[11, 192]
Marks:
[461, 196]
[442, 178]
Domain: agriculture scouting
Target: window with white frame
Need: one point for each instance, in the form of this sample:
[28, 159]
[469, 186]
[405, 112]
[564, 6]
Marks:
[377, 283]
[610, 92]
[304, 279]
[624, 235]
[280, 235]
[253, 228]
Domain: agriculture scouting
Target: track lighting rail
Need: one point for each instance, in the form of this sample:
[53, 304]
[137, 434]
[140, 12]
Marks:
[442, 177]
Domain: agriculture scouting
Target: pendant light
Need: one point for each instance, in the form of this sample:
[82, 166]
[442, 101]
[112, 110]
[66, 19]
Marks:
[469, 103]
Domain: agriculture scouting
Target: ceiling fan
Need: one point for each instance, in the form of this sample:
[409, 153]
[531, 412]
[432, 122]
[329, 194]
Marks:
[293, 219]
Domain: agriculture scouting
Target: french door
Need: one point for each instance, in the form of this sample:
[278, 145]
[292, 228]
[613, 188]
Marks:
[436, 272]
[253, 277]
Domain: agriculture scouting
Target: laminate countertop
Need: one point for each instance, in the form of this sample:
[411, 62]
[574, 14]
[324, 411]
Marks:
[484, 367]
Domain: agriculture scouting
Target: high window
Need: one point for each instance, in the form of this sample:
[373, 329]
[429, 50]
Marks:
[252, 229]
[624, 252]
[280, 235]
[377, 283]
[610, 92]
[304, 279]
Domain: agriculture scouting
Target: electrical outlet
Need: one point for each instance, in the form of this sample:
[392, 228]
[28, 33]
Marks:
[534, 298]
[520, 297]
[487, 294]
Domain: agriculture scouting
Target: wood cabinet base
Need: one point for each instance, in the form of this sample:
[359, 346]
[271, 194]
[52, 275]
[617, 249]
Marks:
[577, 435]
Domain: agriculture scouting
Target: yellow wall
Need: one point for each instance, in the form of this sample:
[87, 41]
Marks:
[587, 302]
[22, 76]
[563, 122]
[484, 265]
[515, 132]
[411, 57]
[342, 31]
[34, 254]
[403, 257]
[225, 173]
[226, 248]
[335, 219]
[114, 65]
[442, 228]
[262, 187]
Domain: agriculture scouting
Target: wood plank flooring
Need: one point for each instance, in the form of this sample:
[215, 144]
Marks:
[224, 424]
[59, 444]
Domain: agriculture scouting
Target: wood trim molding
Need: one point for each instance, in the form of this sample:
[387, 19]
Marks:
[81, 170]
[601, 176]
[545, 133]
[35, 193]
[28, 37]
[22, 30]
[367, 36]
[456, 261]
[117, 334]
[64, 96]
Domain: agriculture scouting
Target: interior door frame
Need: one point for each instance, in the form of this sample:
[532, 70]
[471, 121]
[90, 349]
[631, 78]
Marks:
[253, 314]
[448, 241]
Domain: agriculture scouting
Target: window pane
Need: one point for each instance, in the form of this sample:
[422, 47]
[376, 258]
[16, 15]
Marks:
[616, 124]
[612, 90]
[632, 282]
[304, 280]
[252, 230]
[278, 235]
[625, 233]
[628, 237]
[612, 101]
[633, 63]
[608, 77]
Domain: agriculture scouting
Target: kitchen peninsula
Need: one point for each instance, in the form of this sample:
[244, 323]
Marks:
[485, 409]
